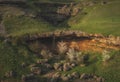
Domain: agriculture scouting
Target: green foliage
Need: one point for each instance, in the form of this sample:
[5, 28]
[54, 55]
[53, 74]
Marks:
[52, 1]
[74, 56]
[99, 19]
[21, 25]
[12, 56]
[95, 19]
[110, 71]
[105, 56]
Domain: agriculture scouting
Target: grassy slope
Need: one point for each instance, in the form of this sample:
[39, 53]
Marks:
[99, 19]
[12, 56]
[53, 1]
[109, 70]
[24, 25]
[21, 25]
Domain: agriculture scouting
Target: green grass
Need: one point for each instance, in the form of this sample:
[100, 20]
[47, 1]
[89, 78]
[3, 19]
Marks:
[12, 56]
[103, 19]
[53, 1]
[16, 24]
[21, 25]
[25, 25]
[109, 70]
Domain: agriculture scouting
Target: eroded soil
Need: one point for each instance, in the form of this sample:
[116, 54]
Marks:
[97, 44]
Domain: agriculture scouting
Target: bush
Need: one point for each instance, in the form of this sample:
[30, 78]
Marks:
[77, 56]
[62, 47]
[105, 56]
[73, 55]
[46, 54]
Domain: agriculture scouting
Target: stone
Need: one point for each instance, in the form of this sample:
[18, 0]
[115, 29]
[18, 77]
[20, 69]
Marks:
[32, 65]
[57, 74]
[23, 78]
[56, 77]
[46, 54]
[64, 78]
[48, 66]
[69, 76]
[9, 74]
[73, 65]
[100, 79]
[28, 78]
[36, 70]
[84, 76]
[75, 11]
[60, 68]
[57, 66]
[66, 67]
[82, 65]
[75, 75]
[42, 61]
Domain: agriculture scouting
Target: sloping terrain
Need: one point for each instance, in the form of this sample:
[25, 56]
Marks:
[93, 17]
[59, 40]
[101, 18]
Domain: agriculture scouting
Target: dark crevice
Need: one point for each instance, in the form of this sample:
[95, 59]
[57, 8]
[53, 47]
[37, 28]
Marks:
[51, 42]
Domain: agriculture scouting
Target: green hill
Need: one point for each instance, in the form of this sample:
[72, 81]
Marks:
[38, 16]
[95, 17]
[99, 19]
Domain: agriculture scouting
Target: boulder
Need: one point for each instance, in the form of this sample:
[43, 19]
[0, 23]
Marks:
[29, 78]
[66, 67]
[64, 77]
[75, 11]
[100, 79]
[42, 61]
[58, 66]
[75, 75]
[36, 70]
[73, 65]
[55, 77]
[84, 76]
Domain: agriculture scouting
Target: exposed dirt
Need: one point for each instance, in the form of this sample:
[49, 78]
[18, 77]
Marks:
[92, 45]
[82, 43]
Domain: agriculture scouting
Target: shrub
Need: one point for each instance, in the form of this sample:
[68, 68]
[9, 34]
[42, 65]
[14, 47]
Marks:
[62, 47]
[46, 54]
[105, 56]
[74, 56]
